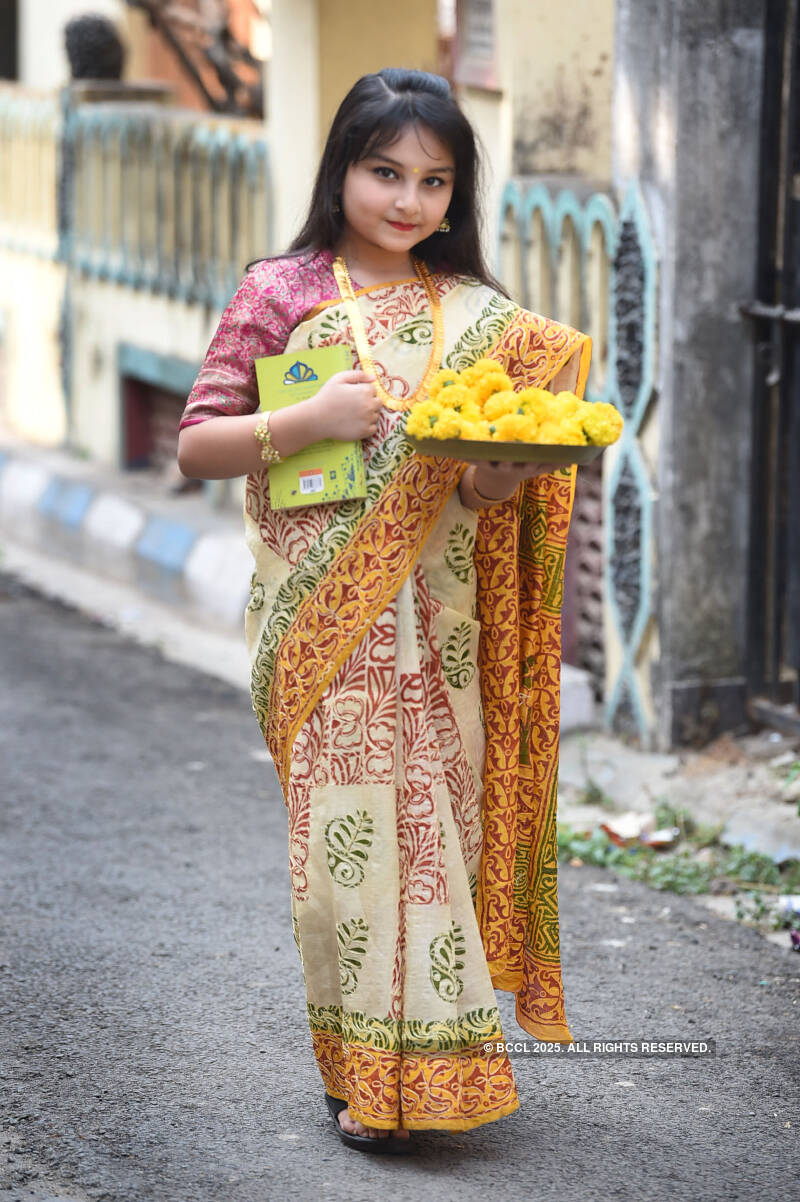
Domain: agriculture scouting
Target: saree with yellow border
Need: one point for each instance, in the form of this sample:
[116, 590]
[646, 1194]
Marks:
[405, 657]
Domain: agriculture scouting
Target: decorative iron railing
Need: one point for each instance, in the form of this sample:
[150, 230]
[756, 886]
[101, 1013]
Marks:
[592, 264]
[30, 125]
[165, 200]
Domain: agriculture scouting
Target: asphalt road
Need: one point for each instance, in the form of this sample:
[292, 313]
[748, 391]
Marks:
[154, 1045]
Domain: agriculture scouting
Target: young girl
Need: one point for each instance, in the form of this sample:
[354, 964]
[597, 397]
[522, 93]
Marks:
[405, 647]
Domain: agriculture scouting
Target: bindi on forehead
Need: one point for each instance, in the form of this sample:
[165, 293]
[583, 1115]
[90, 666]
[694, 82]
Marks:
[432, 166]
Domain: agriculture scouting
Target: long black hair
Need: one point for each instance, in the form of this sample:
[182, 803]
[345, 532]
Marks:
[372, 115]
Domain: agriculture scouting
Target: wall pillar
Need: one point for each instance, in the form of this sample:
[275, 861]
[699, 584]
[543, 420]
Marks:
[686, 124]
[293, 108]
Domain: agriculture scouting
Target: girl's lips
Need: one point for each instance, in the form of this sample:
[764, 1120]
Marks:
[401, 225]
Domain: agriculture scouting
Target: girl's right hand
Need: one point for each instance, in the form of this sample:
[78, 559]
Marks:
[346, 407]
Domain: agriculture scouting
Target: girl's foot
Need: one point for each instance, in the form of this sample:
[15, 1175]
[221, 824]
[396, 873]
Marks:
[355, 1127]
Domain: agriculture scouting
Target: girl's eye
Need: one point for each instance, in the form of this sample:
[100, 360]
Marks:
[436, 180]
[388, 170]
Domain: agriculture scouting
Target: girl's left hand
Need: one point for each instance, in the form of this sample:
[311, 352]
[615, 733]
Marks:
[500, 480]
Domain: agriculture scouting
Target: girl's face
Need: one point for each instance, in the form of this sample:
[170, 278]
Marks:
[399, 194]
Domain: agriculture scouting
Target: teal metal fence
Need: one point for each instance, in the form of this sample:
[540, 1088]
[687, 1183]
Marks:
[166, 200]
[30, 130]
[591, 262]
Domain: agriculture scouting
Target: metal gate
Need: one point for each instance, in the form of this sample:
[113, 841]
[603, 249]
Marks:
[774, 586]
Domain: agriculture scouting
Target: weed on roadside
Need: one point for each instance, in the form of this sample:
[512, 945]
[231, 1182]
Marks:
[721, 869]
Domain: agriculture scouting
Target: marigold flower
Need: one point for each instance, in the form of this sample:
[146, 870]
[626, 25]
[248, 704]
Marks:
[448, 426]
[514, 427]
[479, 403]
[602, 423]
[443, 379]
[572, 432]
[492, 382]
[456, 396]
[569, 403]
[478, 431]
[422, 418]
[500, 403]
[535, 402]
[549, 433]
[477, 370]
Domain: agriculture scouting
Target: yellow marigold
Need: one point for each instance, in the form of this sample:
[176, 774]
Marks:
[471, 412]
[568, 403]
[478, 431]
[492, 382]
[500, 403]
[456, 396]
[477, 370]
[572, 433]
[443, 380]
[536, 402]
[602, 424]
[514, 427]
[549, 432]
[448, 426]
[422, 418]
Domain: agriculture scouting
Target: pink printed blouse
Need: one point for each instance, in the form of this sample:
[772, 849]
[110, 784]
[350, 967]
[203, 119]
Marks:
[271, 300]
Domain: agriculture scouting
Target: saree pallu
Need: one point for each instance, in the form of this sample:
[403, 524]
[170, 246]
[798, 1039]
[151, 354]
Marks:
[405, 657]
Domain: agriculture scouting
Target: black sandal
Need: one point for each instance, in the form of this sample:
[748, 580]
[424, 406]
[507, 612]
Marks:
[364, 1143]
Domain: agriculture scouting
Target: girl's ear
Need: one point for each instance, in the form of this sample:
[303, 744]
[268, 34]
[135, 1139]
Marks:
[337, 204]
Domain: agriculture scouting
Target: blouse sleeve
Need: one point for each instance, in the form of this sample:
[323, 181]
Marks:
[257, 321]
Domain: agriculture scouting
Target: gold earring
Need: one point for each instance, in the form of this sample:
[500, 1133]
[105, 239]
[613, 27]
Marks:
[443, 227]
[337, 208]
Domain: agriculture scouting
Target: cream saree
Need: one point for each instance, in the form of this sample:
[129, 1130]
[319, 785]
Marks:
[405, 658]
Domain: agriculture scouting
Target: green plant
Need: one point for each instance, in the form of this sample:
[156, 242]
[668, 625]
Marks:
[793, 773]
[790, 876]
[752, 908]
[699, 833]
[750, 866]
[595, 795]
[681, 871]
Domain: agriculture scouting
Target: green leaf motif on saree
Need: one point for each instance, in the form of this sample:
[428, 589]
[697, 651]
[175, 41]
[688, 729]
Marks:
[256, 601]
[473, 887]
[411, 1035]
[487, 328]
[447, 953]
[457, 662]
[351, 939]
[418, 332]
[349, 839]
[458, 553]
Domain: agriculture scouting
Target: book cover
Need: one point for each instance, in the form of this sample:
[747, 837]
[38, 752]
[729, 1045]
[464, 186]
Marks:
[329, 470]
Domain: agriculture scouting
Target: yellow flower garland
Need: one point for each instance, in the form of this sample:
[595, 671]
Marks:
[479, 403]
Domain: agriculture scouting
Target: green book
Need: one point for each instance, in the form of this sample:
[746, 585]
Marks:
[329, 470]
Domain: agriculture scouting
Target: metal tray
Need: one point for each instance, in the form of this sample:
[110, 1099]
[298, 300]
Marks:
[506, 452]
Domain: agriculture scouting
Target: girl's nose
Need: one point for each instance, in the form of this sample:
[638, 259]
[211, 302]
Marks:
[408, 198]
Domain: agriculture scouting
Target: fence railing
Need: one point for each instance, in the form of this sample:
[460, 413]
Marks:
[165, 200]
[138, 193]
[30, 125]
[555, 252]
[590, 263]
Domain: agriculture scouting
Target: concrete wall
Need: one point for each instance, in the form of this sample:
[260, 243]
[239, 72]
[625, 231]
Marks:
[30, 381]
[320, 48]
[686, 124]
[105, 316]
[562, 67]
[293, 107]
[358, 36]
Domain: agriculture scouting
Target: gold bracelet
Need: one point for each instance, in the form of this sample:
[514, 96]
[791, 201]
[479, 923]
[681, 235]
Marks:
[483, 497]
[262, 433]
